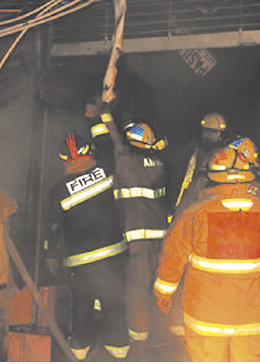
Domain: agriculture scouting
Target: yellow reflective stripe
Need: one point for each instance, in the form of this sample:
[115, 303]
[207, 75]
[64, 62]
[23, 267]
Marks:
[237, 204]
[106, 117]
[85, 150]
[138, 336]
[225, 265]
[63, 156]
[94, 255]
[80, 353]
[99, 129]
[118, 351]
[144, 234]
[97, 305]
[213, 329]
[139, 192]
[89, 192]
[165, 287]
[232, 177]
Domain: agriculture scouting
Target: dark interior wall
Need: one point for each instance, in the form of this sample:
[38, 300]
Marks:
[21, 120]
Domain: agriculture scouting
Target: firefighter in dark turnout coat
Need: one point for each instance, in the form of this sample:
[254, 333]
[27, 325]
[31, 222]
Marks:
[83, 209]
[140, 192]
[212, 129]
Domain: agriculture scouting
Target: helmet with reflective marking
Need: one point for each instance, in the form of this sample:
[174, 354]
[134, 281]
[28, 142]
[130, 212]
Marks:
[247, 148]
[214, 121]
[140, 135]
[74, 148]
[230, 166]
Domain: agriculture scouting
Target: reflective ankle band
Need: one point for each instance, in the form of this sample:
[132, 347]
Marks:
[118, 352]
[80, 354]
[138, 336]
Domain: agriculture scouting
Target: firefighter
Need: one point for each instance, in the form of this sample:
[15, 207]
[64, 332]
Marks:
[7, 208]
[140, 193]
[83, 210]
[219, 236]
[212, 131]
[212, 126]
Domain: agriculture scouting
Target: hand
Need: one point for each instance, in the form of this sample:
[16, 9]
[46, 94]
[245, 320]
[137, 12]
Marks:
[164, 303]
[93, 108]
[52, 265]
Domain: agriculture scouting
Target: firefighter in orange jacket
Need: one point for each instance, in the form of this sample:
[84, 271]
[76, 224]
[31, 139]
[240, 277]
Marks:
[7, 207]
[140, 191]
[219, 236]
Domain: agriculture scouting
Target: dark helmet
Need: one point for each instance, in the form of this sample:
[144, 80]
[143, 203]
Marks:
[74, 148]
[213, 121]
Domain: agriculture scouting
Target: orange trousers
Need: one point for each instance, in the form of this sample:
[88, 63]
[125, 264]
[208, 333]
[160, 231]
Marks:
[218, 349]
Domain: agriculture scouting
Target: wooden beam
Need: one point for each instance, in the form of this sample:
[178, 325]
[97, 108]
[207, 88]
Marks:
[158, 44]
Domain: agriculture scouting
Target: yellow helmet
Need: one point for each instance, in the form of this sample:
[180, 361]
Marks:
[141, 135]
[230, 166]
[247, 148]
[214, 121]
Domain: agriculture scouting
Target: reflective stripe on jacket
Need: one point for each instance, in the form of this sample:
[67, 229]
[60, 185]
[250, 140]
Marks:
[213, 329]
[237, 266]
[144, 234]
[139, 192]
[87, 193]
[98, 129]
[165, 287]
[95, 255]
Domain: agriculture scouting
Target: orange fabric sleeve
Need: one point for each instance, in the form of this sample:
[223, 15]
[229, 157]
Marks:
[176, 249]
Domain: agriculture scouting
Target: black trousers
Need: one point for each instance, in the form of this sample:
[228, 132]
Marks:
[103, 280]
[141, 272]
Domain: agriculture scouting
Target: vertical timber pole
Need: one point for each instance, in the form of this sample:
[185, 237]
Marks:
[110, 77]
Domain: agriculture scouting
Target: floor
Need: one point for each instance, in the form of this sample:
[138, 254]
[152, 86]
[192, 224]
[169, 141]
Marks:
[163, 344]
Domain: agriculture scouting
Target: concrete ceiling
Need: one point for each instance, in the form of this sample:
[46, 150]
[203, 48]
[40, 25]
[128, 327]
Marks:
[159, 26]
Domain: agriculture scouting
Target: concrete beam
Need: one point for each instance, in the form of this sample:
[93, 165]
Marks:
[158, 44]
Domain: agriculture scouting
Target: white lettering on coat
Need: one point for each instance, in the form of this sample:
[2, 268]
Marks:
[85, 181]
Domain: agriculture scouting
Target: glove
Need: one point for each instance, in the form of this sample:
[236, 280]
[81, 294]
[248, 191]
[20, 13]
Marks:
[53, 265]
[105, 113]
[164, 303]
[93, 107]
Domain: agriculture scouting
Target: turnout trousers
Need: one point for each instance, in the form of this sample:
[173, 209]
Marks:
[141, 273]
[101, 282]
[218, 348]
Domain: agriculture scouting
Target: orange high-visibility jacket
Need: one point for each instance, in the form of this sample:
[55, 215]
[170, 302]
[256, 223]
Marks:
[219, 236]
